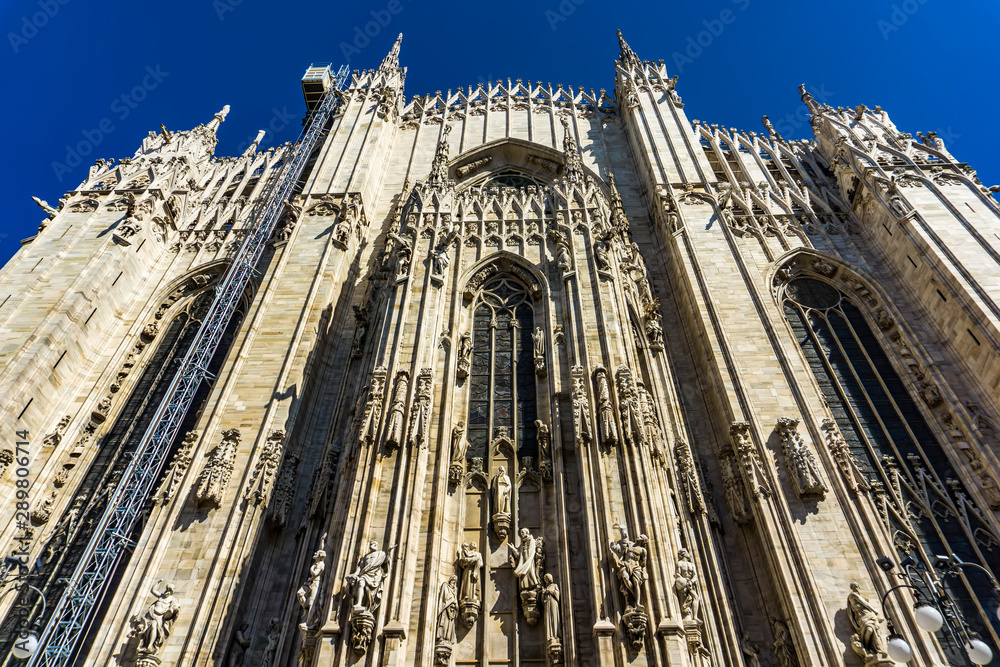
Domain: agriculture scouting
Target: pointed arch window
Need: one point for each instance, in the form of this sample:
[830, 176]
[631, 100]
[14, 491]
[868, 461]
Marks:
[911, 477]
[502, 380]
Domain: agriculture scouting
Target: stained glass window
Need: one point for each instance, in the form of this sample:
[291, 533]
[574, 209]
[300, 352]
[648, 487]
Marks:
[502, 380]
[893, 445]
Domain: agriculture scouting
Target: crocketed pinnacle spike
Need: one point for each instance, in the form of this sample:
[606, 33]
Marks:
[391, 60]
[574, 165]
[213, 124]
[439, 168]
[627, 57]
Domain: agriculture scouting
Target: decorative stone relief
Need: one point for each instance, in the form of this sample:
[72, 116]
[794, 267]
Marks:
[178, 467]
[284, 491]
[652, 425]
[394, 430]
[853, 478]
[421, 413]
[215, 476]
[470, 563]
[783, 648]
[54, 438]
[686, 586]
[365, 586]
[526, 560]
[100, 413]
[689, 479]
[799, 459]
[42, 510]
[628, 559]
[308, 593]
[606, 429]
[273, 637]
[266, 469]
[444, 633]
[6, 458]
[501, 503]
[751, 652]
[152, 629]
[582, 428]
[367, 417]
[633, 425]
[733, 488]
[749, 463]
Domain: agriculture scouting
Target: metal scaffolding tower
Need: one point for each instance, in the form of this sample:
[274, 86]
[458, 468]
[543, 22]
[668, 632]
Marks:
[71, 619]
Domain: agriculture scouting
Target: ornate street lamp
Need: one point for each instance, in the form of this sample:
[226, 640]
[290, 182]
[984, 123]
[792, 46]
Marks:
[934, 608]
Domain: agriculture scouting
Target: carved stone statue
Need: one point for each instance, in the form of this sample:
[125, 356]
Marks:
[606, 414]
[342, 231]
[867, 640]
[273, 637]
[365, 585]
[309, 591]
[751, 652]
[501, 503]
[553, 632]
[602, 256]
[686, 586]
[153, 628]
[628, 559]
[563, 258]
[464, 355]
[581, 408]
[444, 634]
[538, 339]
[783, 648]
[525, 561]
[440, 261]
[544, 450]
[238, 650]
[471, 563]
[394, 430]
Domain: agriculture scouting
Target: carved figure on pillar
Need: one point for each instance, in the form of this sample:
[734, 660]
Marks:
[607, 432]
[686, 586]
[732, 486]
[524, 559]
[394, 431]
[867, 640]
[421, 417]
[309, 591]
[471, 563]
[538, 339]
[153, 628]
[631, 412]
[459, 446]
[783, 648]
[238, 650]
[602, 256]
[273, 637]
[464, 355]
[628, 559]
[751, 652]
[501, 503]
[802, 465]
[215, 476]
[365, 585]
[444, 635]
[544, 450]
[581, 408]
[553, 621]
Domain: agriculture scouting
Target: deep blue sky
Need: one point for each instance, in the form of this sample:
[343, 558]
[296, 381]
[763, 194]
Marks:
[937, 71]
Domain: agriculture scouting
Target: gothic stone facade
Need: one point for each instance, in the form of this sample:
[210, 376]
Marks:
[529, 375]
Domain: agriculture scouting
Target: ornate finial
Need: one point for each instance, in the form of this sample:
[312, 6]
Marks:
[770, 128]
[627, 57]
[439, 168]
[213, 124]
[252, 148]
[574, 165]
[391, 60]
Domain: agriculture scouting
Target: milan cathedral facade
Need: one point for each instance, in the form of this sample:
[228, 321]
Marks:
[528, 375]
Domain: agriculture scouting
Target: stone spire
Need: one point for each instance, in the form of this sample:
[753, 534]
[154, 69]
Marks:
[252, 148]
[439, 168]
[214, 124]
[574, 165]
[391, 60]
[627, 57]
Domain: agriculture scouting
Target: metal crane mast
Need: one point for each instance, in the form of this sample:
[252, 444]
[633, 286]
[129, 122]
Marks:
[69, 622]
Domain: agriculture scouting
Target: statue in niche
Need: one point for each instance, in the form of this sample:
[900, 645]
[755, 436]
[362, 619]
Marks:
[444, 634]
[238, 651]
[602, 256]
[525, 559]
[273, 637]
[404, 251]
[366, 586]
[309, 591]
[459, 446]
[153, 628]
[581, 410]
[501, 503]
[439, 261]
[471, 563]
[538, 339]
[783, 649]
[751, 652]
[545, 462]
[550, 605]
[342, 231]
[686, 586]
[464, 355]
[394, 431]
[867, 640]
[563, 258]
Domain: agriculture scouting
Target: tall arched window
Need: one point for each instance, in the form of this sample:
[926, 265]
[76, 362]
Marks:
[919, 495]
[502, 379]
[66, 545]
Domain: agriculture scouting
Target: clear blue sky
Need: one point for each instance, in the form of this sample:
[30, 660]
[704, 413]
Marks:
[65, 65]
